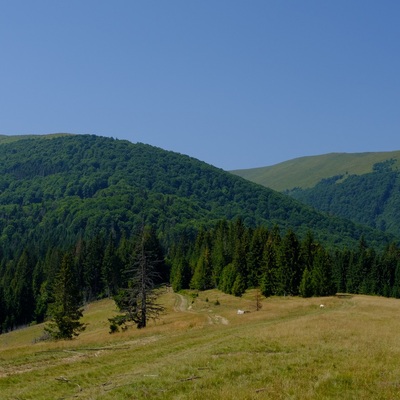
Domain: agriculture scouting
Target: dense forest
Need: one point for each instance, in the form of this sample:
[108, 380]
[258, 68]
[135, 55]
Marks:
[228, 256]
[371, 199]
[233, 258]
[98, 265]
[86, 196]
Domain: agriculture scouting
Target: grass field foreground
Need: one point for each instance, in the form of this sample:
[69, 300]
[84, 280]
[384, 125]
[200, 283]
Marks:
[290, 349]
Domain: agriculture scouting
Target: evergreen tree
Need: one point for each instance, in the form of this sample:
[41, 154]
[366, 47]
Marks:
[308, 249]
[387, 269]
[228, 278]
[340, 264]
[138, 301]
[22, 291]
[201, 279]
[255, 256]
[92, 268]
[321, 274]
[239, 286]
[269, 268]
[306, 284]
[356, 271]
[65, 311]
[110, 269]
[289, 265]
[220, 251]
[178, 260]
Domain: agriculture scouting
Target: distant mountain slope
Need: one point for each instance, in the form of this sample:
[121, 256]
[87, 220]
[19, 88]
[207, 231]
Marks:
[15, 138]
[54, 191]
[306, 172]
[372, 199]
[364, 188]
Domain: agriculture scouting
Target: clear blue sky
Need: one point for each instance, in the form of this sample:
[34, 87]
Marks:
[237, 84]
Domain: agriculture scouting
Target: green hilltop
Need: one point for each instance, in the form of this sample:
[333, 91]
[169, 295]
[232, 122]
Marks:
[306, 172]
[362, 187]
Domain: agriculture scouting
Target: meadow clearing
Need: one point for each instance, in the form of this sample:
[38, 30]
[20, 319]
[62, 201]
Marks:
[201, 348]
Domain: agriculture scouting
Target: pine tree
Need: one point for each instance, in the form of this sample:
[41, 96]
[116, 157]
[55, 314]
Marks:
[201, 279]
[228, 277]
[220, 252]
[255, 256]
[22, 292]
[289, 265]
[110, 269]
[268, 281]
[306, 285]
[178, 260]
[239, 286]
[321, 274]
[65, 311]
[92, 268]
[138, 301]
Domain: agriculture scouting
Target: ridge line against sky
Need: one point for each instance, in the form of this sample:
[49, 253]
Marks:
[236, 84]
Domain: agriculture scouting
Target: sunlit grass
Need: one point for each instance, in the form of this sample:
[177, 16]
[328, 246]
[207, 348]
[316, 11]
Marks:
[290, 349]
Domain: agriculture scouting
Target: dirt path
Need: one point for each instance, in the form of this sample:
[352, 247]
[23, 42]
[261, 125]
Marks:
[181, 303]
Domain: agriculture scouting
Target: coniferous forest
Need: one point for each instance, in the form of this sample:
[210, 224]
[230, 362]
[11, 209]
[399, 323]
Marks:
[85, 198]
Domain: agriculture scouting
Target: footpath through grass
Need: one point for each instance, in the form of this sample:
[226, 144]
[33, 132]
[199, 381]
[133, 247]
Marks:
[290, 349]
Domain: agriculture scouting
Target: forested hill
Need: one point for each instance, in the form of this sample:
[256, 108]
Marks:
[54, 191]
[372, 199]
[362, 187]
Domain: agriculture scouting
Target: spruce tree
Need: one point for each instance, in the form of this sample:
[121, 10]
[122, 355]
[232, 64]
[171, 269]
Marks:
[268, 281]
[306, 284]
[289, 265]
[201, 279]
[65, 311]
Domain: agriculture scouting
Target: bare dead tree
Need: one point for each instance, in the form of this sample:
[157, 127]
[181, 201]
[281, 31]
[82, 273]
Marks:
[138, 301]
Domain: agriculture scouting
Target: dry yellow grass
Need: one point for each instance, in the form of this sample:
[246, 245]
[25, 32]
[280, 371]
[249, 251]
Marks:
[290, 349]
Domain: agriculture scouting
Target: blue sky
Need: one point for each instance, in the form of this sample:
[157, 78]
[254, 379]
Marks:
[237, 84]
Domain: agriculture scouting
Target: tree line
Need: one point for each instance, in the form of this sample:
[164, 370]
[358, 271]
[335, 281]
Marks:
[229, 256]
[97, 267]
[233, 258]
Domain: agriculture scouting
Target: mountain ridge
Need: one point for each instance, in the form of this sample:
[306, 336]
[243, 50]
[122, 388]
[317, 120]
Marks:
[305, 172]
[74, 176]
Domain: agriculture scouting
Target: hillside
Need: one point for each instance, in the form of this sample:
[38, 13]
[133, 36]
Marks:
[210, 351]
[53, 191]
[361, 187]
[306, 172]
[84, 199]
[372, 199]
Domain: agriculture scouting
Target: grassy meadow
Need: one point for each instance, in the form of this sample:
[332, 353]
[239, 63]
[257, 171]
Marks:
[290, 349]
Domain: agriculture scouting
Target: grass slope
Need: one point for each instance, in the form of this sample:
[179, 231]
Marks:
[291, 348]
[306, 172]
[14, 138]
